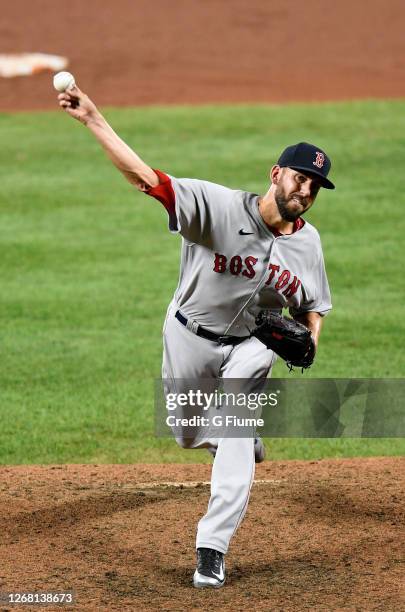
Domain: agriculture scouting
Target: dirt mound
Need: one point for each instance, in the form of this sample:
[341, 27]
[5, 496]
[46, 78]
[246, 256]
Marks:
[323, 535]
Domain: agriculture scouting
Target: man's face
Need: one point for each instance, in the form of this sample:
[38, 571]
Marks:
[295, 192]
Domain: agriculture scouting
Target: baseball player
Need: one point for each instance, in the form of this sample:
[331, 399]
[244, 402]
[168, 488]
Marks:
[241, 254]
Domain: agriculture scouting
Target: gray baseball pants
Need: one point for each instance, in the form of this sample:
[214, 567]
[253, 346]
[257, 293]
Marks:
[188, 356]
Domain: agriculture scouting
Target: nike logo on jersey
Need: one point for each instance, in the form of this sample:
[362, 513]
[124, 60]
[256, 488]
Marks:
[243, 233]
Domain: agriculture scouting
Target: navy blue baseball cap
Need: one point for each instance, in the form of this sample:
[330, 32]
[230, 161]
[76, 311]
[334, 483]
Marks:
[308, 158]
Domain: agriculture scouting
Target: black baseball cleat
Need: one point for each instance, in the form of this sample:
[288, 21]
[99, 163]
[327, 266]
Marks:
[260, 451]
[210, 570]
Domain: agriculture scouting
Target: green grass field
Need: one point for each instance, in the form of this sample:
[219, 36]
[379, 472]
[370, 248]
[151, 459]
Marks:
[88, 267]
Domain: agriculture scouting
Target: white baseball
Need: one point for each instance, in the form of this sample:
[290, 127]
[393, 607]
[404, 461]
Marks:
[63, 81]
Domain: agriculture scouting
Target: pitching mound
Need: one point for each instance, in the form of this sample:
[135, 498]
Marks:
[320, 535]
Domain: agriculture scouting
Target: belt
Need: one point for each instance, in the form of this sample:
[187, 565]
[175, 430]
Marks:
[206, 333]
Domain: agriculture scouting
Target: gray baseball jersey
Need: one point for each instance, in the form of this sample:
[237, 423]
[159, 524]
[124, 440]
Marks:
[233, 264]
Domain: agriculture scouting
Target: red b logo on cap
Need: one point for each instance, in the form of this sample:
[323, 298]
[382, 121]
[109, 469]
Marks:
[320, 159]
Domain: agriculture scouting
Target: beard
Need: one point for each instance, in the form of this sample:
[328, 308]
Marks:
[288, 213]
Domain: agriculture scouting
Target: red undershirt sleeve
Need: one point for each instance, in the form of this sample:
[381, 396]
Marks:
[163, 192]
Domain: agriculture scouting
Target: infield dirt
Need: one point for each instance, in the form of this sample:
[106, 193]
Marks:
[190, 52]
[319, 535]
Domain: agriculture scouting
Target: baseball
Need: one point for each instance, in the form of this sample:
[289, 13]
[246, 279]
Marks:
[63, 81]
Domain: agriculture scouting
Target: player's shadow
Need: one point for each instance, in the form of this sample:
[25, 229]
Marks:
[64, 516]
[324, 503]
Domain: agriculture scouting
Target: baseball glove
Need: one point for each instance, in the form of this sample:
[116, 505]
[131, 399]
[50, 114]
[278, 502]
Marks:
[291, 340]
